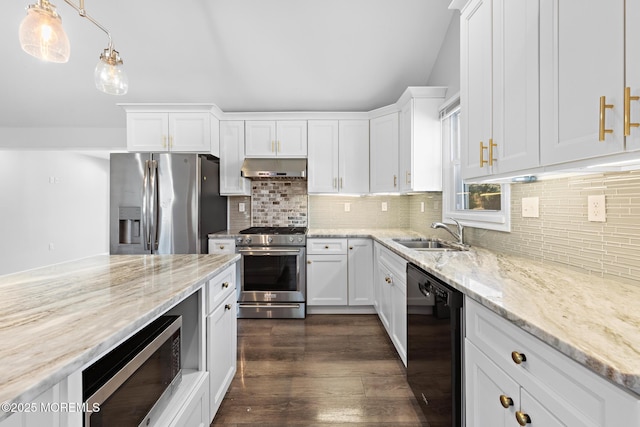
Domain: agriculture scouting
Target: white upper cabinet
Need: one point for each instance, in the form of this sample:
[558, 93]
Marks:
[582, 78]
[169, 131]
[499, 89]
[231, 158]
[338, 156]
[420, 144]
[322, 164]
[632, 64]
[267, 138]
[383, 173]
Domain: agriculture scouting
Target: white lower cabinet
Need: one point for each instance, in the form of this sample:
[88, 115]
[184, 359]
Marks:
[391, 297]
[196, 412]
[339, 272]
[546, 389]
[221, 336]
[40, 412]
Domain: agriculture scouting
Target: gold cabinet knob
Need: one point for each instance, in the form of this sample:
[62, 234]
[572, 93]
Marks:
[221, 247]
[326, 246]
[225, 285]
[522, 418]
[308, 262]
[227, 306]
[518, 358]
[350, 248]
[387, 279]
[506, 401]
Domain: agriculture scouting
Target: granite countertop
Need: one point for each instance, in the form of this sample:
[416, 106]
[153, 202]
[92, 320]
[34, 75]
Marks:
[592, 320]
[56, 319]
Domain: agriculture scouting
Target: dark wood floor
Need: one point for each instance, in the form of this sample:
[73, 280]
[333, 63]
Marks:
[338, 370]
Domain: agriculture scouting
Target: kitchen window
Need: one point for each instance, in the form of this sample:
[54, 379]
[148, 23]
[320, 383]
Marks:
[475, 205]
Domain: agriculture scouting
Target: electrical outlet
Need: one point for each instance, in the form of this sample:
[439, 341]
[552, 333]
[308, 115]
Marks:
[421, 206]
[241, 207]
[384, 206]
[530, 207]
[347, 207]
[596, 208]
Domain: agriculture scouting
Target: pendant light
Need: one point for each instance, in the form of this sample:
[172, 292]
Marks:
[41, 35]
[109, 76]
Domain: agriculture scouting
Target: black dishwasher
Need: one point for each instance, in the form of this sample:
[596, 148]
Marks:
[434, 347]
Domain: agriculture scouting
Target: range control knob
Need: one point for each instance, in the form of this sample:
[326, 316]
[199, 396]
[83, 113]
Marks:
[270, 239]
[300, 239]
[291, 239]
[239, 240]
[247, 240]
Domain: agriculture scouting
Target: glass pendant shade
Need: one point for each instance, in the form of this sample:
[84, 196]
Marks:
[41, 34]
[109, 75]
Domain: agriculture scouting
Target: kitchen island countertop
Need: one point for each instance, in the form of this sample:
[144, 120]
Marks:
[56, 319]
[593, 320]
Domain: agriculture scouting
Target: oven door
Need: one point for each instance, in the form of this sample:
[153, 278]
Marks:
[272, 275]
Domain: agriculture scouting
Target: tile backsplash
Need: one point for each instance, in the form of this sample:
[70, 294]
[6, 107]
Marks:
[363, 212]
[562, 232]
[279, 203]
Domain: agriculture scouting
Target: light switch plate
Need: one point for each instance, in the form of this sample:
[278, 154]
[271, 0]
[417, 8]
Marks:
[530, 207]
[347, 207]
[596, 208]
[384, 206]
[241, 207]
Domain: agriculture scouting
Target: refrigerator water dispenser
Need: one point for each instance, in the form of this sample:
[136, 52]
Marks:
[129, 220]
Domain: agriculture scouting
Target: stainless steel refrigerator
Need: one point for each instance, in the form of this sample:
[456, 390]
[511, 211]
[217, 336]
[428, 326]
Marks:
[164, 203]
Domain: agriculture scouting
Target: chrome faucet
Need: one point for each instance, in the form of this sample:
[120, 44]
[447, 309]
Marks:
[458, 236]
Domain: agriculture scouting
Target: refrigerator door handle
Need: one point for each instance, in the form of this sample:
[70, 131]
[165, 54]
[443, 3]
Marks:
[154, 205]
[145, 206]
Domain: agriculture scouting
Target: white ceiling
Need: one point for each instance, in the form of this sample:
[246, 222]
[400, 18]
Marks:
[242, 55]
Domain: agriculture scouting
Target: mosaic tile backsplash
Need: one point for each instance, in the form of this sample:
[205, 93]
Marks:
[562, 232]
[277, 203]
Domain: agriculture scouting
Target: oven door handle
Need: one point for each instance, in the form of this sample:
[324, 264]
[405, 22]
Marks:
[270, 251]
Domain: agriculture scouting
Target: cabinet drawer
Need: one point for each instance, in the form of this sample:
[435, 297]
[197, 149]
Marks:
[396, 265]
[563, 386]
[220, 286]
[326, 246]
[222, 246]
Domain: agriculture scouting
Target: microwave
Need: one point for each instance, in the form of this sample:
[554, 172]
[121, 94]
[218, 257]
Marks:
[130, 386]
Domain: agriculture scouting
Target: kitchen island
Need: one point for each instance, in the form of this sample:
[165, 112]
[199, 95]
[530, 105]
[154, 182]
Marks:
[58, 319]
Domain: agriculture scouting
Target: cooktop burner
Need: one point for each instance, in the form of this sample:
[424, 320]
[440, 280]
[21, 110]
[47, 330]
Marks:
[274, 230]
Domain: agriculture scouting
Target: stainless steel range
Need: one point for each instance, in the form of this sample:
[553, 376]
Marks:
[272, 272]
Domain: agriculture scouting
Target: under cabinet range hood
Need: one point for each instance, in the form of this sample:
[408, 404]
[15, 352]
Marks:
[274, 168]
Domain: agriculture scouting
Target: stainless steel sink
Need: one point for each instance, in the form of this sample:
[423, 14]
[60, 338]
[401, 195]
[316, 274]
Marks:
[428, 245]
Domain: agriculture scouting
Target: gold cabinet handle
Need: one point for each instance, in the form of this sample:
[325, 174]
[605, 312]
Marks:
[491, 147]
[164, 141]
[225, 285]
[171, 141]
[602, 128]
[506, 401]
[522, 418]
[335, 182]
[482, 160]
[227, 306]
[407, 177]
[273, 146]
[279, 147]
[341, 184]
[395, 180]
[627, 111]
[518, 357]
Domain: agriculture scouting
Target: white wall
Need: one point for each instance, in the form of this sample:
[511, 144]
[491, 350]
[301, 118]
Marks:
[446, 71]
[71, 213]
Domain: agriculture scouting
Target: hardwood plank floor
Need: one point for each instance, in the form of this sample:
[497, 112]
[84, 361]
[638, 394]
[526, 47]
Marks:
[338, 370]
